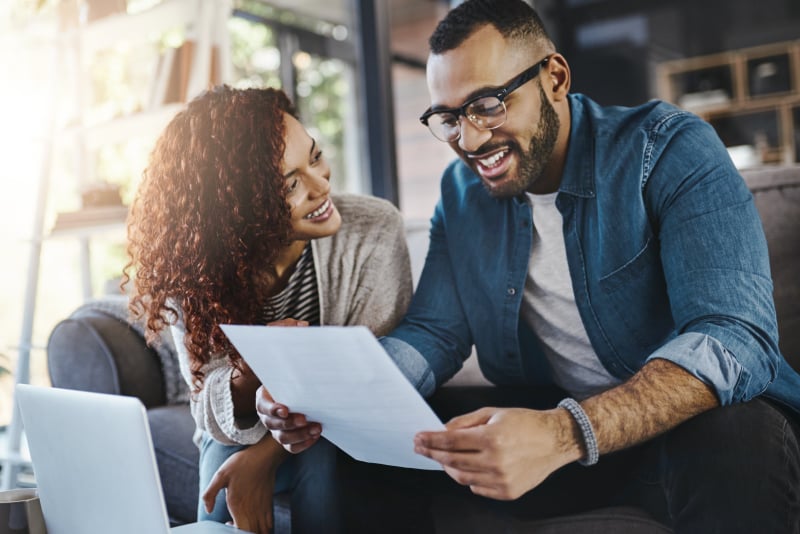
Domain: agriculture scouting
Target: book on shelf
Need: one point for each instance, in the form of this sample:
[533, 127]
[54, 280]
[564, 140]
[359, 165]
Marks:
[89, 217]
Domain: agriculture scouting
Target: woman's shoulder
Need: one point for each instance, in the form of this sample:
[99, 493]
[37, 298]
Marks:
[364, 211]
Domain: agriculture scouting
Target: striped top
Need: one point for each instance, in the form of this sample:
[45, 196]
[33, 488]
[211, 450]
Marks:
[300, 298]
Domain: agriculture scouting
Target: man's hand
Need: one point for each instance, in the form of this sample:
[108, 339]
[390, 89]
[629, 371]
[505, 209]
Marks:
[249, 476]
[503, 453]
[291, 430]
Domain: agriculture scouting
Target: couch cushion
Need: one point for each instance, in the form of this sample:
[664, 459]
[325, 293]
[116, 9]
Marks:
[776, 191]
[94, 351]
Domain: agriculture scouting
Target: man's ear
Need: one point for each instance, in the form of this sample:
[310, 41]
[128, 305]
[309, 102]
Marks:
[557, 77]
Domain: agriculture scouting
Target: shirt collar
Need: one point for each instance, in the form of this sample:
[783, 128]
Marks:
[577, 178]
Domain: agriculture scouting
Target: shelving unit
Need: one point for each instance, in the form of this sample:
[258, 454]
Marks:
[751, 97]
[204, 22]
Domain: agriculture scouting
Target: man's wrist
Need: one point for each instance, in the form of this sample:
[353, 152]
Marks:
[582, 431]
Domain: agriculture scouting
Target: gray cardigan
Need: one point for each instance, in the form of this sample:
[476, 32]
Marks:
[363, 278]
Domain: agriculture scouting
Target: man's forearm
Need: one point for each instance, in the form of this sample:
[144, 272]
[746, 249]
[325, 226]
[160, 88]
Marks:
[659, 397]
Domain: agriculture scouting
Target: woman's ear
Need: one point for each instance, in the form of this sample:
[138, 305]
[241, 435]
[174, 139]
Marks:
[557, 77]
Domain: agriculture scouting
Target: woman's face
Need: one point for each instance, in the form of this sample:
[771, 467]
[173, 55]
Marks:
[307, 179]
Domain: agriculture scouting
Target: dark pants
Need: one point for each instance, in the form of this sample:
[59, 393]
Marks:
[732, 469]
[310, 477]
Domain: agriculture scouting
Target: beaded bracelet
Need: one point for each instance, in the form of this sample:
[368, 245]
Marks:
[592, 452]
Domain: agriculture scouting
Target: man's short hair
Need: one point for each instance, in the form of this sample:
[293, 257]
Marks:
[514, 19]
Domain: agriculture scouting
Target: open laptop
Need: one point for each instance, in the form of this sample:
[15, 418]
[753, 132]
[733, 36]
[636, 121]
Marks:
[95, 466]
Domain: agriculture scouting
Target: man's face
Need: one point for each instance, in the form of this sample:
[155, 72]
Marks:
[512, 158]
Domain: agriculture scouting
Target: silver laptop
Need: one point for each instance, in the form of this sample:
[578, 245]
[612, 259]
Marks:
[94, 464]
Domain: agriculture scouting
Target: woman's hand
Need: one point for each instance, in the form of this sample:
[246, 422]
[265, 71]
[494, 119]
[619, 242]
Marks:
[289, 429]
[292, 430]
[249, 476]
[288, 322]
[244, 382]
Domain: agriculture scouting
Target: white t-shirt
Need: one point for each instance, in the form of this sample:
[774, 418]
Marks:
[548, 307]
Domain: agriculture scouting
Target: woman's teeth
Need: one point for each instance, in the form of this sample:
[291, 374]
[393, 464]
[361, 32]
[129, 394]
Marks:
[492, 160]
[319, 211]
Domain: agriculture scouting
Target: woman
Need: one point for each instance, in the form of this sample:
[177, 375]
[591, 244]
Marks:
[234, 223]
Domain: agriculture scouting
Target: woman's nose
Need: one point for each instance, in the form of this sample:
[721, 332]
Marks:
[319, 184]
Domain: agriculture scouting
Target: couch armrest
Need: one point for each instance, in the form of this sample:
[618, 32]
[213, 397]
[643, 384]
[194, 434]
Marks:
[94, 351]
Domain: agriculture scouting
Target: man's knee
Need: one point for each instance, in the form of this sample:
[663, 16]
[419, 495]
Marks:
[735, 433]
[737, 464]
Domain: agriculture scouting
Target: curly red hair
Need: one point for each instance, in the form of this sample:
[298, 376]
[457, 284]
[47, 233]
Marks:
[209, 216]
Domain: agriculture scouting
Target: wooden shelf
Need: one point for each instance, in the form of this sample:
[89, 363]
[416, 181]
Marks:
[748, 95]
[89, 221]
[126, 127]
[131, 28]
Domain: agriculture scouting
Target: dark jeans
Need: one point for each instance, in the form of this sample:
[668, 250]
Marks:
[732, 469]
[310, 476]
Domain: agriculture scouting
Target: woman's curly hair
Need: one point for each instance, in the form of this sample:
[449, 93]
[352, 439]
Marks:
[210, 216]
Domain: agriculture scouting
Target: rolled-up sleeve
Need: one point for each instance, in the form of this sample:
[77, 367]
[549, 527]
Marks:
[413, 365]
[715, 260]
[212, 405]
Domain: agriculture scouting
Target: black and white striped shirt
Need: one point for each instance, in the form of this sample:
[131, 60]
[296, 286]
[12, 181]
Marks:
[300, 298]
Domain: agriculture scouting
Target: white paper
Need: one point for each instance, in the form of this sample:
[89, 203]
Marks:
[341, 377]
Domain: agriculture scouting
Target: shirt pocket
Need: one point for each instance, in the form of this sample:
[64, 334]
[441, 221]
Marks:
[633, 300]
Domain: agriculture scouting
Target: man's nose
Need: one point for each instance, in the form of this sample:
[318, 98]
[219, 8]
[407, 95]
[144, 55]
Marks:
[472, 137]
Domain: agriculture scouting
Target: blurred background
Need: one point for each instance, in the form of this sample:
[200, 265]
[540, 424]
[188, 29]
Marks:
[87, 85]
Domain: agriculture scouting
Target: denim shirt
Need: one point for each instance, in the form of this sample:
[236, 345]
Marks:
[666, 254]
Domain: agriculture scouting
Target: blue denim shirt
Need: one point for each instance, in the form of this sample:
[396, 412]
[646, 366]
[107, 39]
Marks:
[666, 254]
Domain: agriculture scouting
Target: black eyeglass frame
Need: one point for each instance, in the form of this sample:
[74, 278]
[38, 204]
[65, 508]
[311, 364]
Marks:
[501, 94]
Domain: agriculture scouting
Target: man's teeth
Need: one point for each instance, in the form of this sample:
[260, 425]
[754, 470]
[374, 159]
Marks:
[319, 211]
[492, 160]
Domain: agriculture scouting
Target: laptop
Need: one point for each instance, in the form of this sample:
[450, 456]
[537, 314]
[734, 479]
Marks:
[94, 464]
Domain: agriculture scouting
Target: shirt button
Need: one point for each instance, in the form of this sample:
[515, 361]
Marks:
[511, 291]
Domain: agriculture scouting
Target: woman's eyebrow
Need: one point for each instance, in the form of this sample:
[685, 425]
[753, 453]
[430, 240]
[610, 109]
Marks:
[310, 152]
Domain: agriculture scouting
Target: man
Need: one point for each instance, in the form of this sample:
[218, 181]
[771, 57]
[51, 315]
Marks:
[614, 253]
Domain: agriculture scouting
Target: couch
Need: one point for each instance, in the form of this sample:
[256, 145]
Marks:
[95, 349]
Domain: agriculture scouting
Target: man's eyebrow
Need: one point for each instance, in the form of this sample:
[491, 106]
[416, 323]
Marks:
[310, 152]
[481, 91]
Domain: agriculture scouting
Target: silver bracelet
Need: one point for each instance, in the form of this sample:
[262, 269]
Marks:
[589, 440]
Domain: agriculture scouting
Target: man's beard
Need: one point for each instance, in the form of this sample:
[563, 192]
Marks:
[533, 162]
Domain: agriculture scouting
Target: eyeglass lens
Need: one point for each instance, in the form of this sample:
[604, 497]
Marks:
[485, 113]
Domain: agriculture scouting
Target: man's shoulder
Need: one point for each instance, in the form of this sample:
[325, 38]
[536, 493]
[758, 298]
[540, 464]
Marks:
[654, 115]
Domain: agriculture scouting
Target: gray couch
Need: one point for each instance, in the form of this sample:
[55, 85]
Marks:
[96, 351]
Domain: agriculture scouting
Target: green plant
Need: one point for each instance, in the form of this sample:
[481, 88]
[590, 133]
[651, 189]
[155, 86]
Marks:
[4, 369]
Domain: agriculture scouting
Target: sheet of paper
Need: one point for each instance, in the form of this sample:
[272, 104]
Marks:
[341, 377]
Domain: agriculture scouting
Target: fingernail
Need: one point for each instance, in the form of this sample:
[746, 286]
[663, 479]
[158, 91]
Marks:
[315, 431]
[282, 412]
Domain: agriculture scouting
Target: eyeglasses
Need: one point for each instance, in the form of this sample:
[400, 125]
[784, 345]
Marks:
[486, 112]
